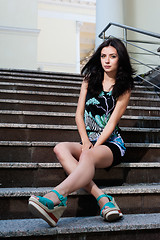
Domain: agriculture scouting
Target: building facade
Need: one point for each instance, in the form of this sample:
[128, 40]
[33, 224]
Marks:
[58, 35]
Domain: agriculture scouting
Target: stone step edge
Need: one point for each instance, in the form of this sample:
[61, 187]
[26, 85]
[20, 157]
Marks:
[39, 85]
[25, 72]
[16, 101]
[153, 188]
[57, 86]
[52, 144]
[61, 94]
[66, 114]
[52, 78]
[32, 71]
[13, 101]
[64, 103]
[39, 93]
[48, 165]
[78, 225]
[69, 127]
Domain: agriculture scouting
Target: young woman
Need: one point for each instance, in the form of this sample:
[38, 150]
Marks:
[103, 99]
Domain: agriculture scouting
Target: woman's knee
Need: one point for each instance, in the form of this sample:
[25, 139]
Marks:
[59, 149]
[86, 156]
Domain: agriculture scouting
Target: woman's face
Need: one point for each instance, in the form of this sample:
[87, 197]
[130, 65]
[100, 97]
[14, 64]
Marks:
[109, 59]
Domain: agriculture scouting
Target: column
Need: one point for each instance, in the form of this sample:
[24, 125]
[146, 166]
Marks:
[78, 26]
[108, 11]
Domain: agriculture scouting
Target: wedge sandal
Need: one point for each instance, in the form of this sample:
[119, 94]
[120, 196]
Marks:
[110, 211]
[45, 209]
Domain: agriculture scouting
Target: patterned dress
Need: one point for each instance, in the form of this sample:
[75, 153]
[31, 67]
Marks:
[97, 113]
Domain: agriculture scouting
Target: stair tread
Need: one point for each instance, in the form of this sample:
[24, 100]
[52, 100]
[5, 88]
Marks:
[54, 79]
[72, 225]
[71, 127]
[63, 94]
[26, 73]
[39, 93]
[45, 85]
[141, 188]
[52, 144]
[68, 114]
[38, 102]
[58, 165]
[39, 85]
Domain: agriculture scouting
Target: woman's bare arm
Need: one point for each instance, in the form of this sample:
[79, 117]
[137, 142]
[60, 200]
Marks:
[86, 144]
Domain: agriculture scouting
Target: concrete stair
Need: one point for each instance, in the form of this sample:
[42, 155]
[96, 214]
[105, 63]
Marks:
[133, 227]
[37, 110]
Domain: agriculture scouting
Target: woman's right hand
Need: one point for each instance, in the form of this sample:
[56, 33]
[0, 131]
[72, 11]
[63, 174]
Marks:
[87, 145]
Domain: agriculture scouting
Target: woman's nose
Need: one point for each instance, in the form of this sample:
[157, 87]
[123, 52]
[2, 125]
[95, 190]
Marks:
[107, 59]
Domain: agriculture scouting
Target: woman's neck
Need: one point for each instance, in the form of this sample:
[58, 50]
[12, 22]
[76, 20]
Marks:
[108, 82]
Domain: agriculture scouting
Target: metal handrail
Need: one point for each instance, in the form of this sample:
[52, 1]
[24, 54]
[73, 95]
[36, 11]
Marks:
[125, 27]
[151, 34]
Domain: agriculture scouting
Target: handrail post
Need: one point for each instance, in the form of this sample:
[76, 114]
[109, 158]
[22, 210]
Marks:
[104, 36]
[125, 36]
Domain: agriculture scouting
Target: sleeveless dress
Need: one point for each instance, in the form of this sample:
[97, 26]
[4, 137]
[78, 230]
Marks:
[97, 113]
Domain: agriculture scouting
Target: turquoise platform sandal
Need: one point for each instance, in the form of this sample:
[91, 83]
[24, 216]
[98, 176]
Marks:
[45, 209]
[110, 211]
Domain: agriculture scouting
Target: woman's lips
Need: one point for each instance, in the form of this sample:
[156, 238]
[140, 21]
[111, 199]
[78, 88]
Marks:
[107, 67]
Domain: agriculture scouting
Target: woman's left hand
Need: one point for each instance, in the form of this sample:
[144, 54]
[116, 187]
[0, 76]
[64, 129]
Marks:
[87, 145]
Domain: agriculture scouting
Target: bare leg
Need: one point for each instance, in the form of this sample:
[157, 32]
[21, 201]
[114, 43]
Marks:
[70, 156]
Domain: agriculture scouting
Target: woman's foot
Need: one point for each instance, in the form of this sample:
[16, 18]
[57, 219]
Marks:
[51, 196]
[50, 207]
[109, 211]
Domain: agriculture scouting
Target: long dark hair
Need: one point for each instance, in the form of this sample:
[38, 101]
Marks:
[94, 73]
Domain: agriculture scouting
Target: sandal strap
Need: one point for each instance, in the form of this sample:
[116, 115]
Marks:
[109, 204]
[104, 195]
[61, 198]
[46, 202]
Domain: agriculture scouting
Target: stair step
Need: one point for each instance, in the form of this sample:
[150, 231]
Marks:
[142, 111]
[32, 132]
[62, 78]
[142, 101]
[40, 95]
[32, 174]
[33, 83]
[133, 227]
[140, 121]
[114, 190]
[38, 74]
[139, 93]
[14, 116]
[49, 106]
[132, 199]
[43, 79]
[31, 151]
[24, 105]
[38, 87]
[58, 165]
[57, 80]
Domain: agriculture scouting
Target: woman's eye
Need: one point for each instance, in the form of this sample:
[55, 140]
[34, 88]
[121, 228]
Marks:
[103, 56]
[113, 56]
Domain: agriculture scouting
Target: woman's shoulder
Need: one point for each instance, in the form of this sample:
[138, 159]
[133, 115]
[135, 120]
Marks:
[84, 84]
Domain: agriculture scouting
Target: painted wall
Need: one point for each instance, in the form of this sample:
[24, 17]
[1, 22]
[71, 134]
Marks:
[59, 42]
[143, 14]
[18, 34]
[53, 35]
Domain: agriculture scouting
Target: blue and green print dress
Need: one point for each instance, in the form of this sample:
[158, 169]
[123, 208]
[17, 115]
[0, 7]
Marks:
[97, 113]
